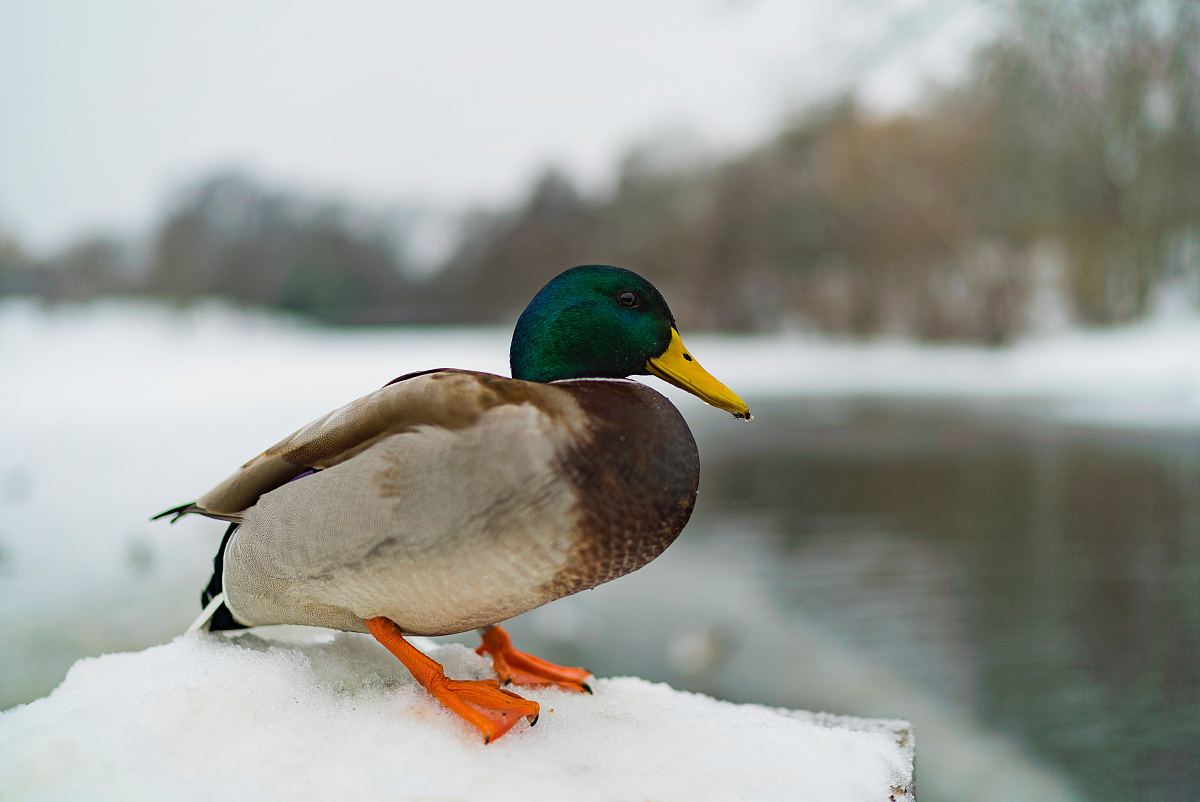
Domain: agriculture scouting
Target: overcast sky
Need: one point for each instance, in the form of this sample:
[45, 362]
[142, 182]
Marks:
[106, 106]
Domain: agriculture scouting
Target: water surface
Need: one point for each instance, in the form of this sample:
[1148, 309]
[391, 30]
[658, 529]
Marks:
[1042, 577]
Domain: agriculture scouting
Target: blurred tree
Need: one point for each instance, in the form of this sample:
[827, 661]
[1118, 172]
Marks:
[92, 266]
[229, 238]
[17, 273]
[502, 259]
[1100, 106]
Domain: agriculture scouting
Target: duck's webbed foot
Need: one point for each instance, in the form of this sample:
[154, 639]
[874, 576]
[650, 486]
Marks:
[521, 668]
[482, 703]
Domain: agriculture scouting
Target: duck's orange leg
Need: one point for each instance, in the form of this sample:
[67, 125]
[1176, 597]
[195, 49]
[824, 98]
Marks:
[522, 668]
[483, 703]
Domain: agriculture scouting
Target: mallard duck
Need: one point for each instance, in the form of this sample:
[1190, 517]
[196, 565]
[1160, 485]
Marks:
[450, 500]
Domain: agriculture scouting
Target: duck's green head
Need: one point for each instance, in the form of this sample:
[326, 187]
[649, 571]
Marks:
[598, 321]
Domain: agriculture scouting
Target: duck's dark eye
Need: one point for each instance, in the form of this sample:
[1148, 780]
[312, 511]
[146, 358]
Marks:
[628, 298]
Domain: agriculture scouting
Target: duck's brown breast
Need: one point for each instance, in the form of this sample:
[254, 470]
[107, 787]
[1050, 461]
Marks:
[635, 476]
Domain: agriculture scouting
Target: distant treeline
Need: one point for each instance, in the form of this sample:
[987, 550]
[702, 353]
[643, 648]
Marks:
[1064, 168]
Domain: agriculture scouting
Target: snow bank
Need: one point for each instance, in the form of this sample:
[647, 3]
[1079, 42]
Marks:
[136, 357]
[307, 714]
[1139, 375]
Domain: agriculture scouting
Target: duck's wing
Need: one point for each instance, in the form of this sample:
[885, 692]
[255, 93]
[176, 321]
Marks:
[443, 398]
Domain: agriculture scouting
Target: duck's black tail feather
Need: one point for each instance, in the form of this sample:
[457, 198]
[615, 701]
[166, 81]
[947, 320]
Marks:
[192, 508]
[221, 618]
[176, 512]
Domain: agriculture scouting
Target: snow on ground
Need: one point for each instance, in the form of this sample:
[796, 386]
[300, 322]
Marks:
[316, 715]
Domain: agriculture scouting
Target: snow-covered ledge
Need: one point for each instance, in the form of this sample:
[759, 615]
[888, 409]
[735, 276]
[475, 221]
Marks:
[314, 715]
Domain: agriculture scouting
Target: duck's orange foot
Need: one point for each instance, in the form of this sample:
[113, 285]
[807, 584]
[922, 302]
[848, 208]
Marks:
[485, 705]
[521, 668]
[482, 703]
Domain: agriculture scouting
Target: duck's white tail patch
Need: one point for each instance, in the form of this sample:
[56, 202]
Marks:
[201, 623]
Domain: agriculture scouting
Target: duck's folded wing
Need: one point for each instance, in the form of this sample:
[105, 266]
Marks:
[446, 398]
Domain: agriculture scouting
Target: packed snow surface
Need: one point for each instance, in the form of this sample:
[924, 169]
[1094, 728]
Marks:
[307, 714]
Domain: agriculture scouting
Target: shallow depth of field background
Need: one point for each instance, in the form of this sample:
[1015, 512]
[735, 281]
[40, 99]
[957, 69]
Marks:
[948, 251]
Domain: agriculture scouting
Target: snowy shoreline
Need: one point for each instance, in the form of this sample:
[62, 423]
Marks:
[1141, 375]
[300, 713]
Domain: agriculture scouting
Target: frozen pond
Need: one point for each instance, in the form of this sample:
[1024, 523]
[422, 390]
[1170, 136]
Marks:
[1003, 547]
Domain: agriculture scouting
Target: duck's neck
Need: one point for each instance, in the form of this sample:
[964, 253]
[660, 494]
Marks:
[542, 357]
[549, 345]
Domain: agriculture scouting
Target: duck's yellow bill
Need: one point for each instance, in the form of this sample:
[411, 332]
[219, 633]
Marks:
[677, 366]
